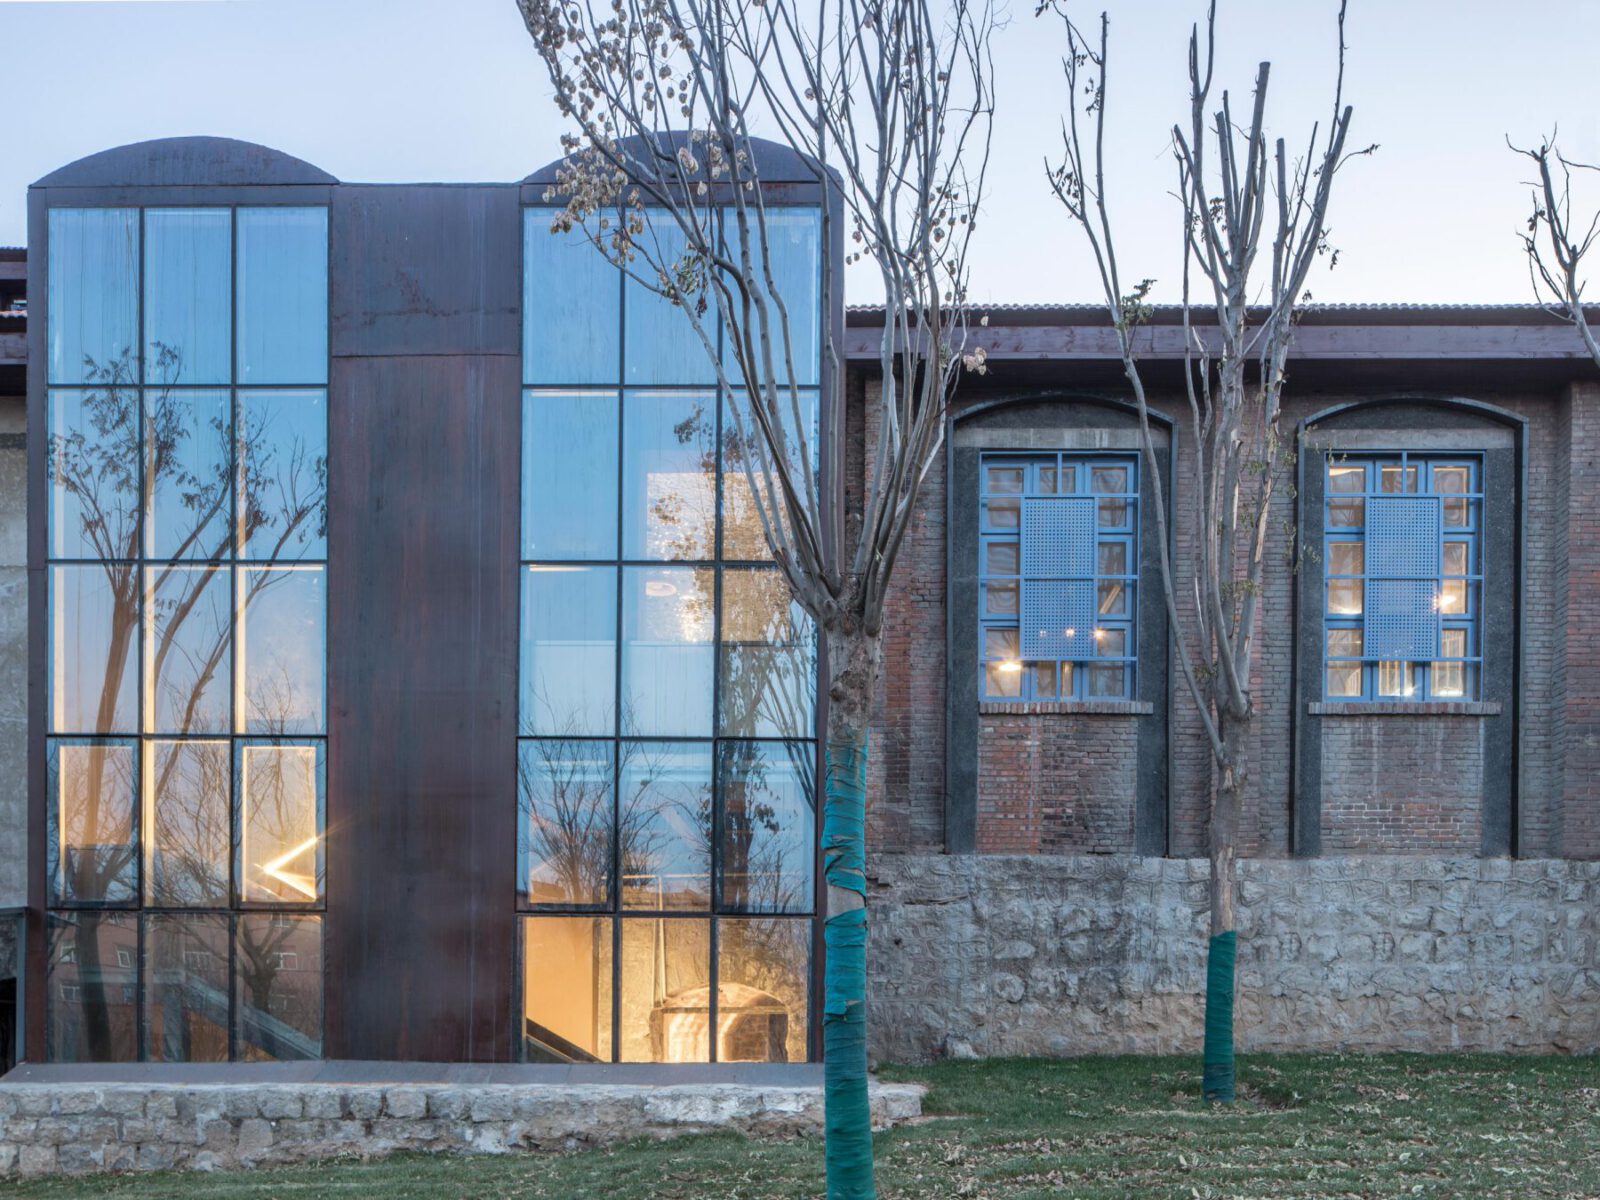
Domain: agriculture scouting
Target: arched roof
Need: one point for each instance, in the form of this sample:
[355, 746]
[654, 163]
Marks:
[775, 162]
[186, 162]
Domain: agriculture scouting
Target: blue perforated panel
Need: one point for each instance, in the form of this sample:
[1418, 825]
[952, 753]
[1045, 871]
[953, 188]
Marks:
[1401, 601]
[1058, 618]
[1058, 538]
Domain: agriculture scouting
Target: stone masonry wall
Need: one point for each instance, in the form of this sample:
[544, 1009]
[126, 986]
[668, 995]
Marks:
[1057, 783]
[47, 1128]
[1105, 954]
[1399, 784]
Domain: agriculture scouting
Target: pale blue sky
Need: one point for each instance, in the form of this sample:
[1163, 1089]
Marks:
[448, 90]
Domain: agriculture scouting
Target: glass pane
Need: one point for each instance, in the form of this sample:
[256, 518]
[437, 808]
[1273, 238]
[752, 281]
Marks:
[189, 473]
[186, 988]
[1107, 682]
[1113, 558]
[1004, 558]
[794, 239]
[1456, 558]
[1396, 679]
[1453, 597]
[280, 823]
[94, 294]
[93, 985]
[665, 825]
[569, 650]
[1108, 480]
[1003, 680]
[662, 346]
[1449, 679]
[1395, 479]
[763, 976]
[1347, 479]
[1344, 597]
[1453, 643]
[187, 640]
[283, 295]
[94, 797]
[1113, 514]
[669, 480]
[767, 862]
[1111, 643]
[1003, 514]
[1047, 480]
[566, 989]
[564, 823]
[1002, 599]
[1457, 512]
[279, 982]
[667, 652]
[1452, 478]
[1113, 598]
[283, 475]
[1044, 680]
[569, 474]
[282, 650]
[1001, 643]
[186, 789]
[1002, 480]
[188, 287]
[1346, 558]
[743, 536]
[571, 322]
[666, 990]
[1344, 643]
[93, 469]
[767, 686]
[94, 618]
[1346, 514]
[1344, 679]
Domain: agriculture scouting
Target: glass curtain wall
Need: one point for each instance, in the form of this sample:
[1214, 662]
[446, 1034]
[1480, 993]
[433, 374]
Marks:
[187, 481]
[668, 759]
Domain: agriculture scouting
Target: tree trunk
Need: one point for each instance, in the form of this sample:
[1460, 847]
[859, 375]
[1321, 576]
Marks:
[853, 668]
[1217, 1075]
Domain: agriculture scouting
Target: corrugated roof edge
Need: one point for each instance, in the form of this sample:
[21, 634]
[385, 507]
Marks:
[1093, 315]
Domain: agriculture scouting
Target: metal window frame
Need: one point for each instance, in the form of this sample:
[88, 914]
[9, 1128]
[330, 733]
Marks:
[1080, 465]
[1424, 689]
[234, 562]
[715, 913]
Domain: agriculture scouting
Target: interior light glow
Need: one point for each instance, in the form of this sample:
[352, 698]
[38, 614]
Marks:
[1010, 665]
[660, 589]
[306, 885]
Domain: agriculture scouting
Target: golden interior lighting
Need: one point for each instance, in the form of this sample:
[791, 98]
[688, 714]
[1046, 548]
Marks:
[1010, 665]
[305, 884]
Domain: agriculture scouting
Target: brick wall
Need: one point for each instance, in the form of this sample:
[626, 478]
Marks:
[1401, 784]
[1580, 801]
[1056, 783]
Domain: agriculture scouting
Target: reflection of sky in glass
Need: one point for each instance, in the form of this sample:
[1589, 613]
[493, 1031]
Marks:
[666, 825]
[667, 652]
[94, 290]
[743, 536]
[662, 346]
[187, 288]
[570, 328]
[569, 649]
[767, 823]
[768, 683]
[280, 854]
[93, 472]
[283, 295]
[281, 650]
[669, 475]
[564, 826]
[283, 468]
[186, 655]
[187, 434]
[794, 238]
[569, 474]
[186, 842]
[95, 649]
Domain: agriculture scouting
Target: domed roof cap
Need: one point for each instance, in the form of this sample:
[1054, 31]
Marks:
[187, 162]
[775, 162]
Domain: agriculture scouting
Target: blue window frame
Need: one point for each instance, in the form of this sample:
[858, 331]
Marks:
[1058, 576]
[1403, 570]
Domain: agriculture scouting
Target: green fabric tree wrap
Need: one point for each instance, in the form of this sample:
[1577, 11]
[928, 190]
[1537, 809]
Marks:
[1216, 1077]
[848, 1118]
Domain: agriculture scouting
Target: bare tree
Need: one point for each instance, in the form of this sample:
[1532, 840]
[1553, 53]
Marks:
[888, 104]
[1253, 201]
[1555, 261]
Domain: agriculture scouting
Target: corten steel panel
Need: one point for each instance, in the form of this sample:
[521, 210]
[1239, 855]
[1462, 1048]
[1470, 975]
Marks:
[422, 637]
[426, 270]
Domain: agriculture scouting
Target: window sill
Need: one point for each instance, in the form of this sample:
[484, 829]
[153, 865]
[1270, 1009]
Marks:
[1098, 708]
[1401, 708]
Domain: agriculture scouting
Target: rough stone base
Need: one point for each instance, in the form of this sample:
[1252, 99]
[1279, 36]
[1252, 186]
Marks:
[53, 1128]
[977, 956]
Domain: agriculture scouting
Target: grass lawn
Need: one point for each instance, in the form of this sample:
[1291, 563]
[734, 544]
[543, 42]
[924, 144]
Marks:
[1307, 1125]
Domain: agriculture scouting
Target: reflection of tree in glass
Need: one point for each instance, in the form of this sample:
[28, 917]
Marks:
[664, 825]
[766, 826]
[564, 790]
[113, 475]
[270, 966]
[685, 512]
[189, 840]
